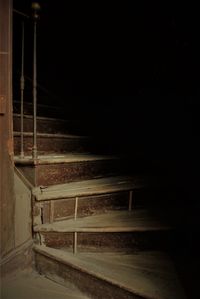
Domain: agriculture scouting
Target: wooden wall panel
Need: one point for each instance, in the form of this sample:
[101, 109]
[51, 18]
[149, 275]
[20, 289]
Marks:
[7, 203]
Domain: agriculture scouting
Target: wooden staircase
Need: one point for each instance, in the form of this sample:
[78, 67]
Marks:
[95, 225]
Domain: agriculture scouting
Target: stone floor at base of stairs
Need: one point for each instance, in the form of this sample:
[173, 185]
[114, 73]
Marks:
[29, 284]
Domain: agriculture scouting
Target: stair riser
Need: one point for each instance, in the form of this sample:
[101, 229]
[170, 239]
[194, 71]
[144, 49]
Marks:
[47, 145]
[51, 174]
[87, 283]
[56, 210]
[107, 241]
[48, 126]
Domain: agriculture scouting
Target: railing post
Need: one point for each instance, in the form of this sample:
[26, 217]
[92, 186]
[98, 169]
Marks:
[36, 8]
[22, 94]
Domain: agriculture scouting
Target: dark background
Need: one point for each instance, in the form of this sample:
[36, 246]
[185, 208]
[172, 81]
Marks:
[130, 72]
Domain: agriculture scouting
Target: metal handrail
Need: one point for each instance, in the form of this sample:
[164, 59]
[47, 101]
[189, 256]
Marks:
[22, 81]
[21, 13]
[35, 16]
[22, 94]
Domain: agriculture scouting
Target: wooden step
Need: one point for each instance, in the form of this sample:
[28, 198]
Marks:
[51, 169]
[93, 187]
[51, 143]
[145, 275]
[30, 284]
[113, 221]
[42, 109]
[85, 198]
[49, 211]
[47, 125]
[113, 231]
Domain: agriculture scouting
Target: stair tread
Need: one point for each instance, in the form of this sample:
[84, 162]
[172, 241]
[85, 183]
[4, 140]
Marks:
[50, 135]
[45, 118]
[63, 158]
[148, 274]
[114, 221]
[38, 105]
[89, 187]
[30, 284]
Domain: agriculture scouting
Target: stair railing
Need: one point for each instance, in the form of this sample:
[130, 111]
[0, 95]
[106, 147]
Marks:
[22, 83]
[22, 94]
[35, 14]
[36, 9]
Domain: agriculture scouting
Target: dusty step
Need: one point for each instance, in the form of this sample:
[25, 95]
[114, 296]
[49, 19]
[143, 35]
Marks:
[113, 221]
[30, 284]
[92, 187]
[146, 275]
[46, 125]
[51, 143]
[51, 169]
[49, 211]
[84, 198]
[42, 109]
[116, 230]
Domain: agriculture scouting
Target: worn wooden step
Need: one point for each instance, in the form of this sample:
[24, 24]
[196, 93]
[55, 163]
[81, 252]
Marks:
[51, 169]
[145, 275]
[53, 210]
[42, 109]
[30, 284]
[113, 231]
[99, 186]
[49, 211]
[113, 221]
[47, 125]
[51, 143]
[85, 198]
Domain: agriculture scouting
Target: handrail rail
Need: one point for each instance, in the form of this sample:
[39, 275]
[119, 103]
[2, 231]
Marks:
[21, 13]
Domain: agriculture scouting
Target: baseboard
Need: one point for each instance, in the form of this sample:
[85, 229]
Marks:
[19, 259]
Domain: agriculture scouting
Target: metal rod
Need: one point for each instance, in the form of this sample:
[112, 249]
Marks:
[51, 211]
[75, 243]
[130, 201]
[22, 94]
[21, 13]
[76, 208]
[34, 153]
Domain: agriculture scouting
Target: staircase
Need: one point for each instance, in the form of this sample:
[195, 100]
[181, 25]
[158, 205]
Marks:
[97, 225]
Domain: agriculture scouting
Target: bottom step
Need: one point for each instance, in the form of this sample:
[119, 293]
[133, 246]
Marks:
[29, 284]
[147, 275]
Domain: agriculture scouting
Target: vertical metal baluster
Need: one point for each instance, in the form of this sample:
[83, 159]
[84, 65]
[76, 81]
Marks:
[75, 243]
[130, 204]
[76, 208]
[35, 92]
[22, 94]
[36, 8]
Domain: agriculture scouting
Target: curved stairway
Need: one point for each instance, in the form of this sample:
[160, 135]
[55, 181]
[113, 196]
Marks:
[96, 225]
